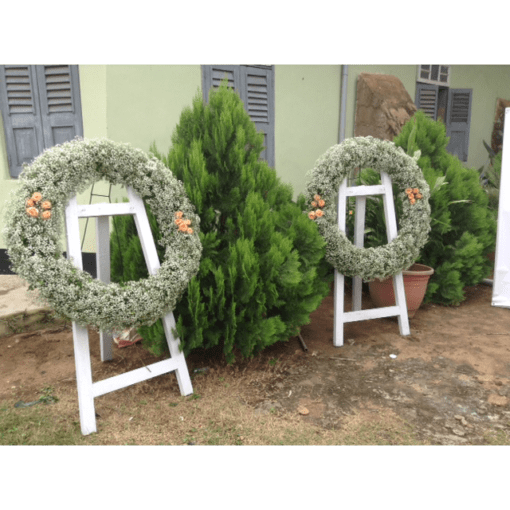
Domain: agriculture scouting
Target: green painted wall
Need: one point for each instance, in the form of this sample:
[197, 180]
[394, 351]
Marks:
[307, 118]
[488, 83]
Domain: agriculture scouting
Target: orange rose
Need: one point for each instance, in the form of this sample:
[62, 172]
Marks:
[314, 203]
[412, 200]
[190, 231]
[29, 202]
[46, 204]
[409, 191]
[36, 197]
[350, 212]
[178, 221]
[311, 215]
[183, 227]
[322, 203]
[416, 190]
[178, 214]
[317, 197]
[187, 222]
[33, 212]
[319, 213]
[418, 196]
[46, 215]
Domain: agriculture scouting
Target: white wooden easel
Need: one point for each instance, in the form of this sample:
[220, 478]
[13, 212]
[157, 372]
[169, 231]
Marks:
[88, 390]
[357, 314]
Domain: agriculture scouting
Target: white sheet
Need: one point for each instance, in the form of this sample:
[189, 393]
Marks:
[501, 284]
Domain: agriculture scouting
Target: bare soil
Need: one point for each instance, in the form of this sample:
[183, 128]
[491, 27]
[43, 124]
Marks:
[449, 380]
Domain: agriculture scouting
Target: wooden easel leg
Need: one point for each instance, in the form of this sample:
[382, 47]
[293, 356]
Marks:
[338, 325]
[84, 379]
[400, 301]
[359, 238]
[356, 293]
[182, 374]
[103, 274]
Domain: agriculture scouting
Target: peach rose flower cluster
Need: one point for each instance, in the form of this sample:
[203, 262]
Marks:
[316, 202]
[183, 224]
[34, 202]
[413, 194]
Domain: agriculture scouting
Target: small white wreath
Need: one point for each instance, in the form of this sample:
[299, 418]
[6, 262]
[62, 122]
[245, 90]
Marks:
[414, 225]
[35, 222]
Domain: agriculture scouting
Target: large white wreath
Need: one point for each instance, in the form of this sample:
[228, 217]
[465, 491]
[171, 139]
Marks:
[414, 225]
[35, 223]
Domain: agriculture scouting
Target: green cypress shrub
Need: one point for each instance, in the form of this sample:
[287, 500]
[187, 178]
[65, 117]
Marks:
[463, 230]
[262, 270]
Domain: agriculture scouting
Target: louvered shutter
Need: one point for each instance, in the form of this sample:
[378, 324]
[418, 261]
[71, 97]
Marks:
[458, 121]
[256, 89]
[214, 75]
[60, 103]
[258, 98]
[19, 103]
[427, 99]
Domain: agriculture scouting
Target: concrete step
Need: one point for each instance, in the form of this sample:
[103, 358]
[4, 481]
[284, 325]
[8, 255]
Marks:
[19, 309]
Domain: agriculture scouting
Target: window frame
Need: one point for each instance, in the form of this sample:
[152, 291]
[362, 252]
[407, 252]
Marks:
[429, 71]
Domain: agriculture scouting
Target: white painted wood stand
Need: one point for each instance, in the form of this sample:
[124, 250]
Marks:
[357, 314]
[88, 390]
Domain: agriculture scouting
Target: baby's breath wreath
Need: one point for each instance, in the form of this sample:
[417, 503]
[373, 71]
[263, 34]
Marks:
[414, 225]
[35, 222]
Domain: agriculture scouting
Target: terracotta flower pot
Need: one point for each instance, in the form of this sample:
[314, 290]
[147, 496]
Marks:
[416, 279]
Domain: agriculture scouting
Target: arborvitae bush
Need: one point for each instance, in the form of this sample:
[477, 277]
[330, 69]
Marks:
[262, 270]
[463, 228]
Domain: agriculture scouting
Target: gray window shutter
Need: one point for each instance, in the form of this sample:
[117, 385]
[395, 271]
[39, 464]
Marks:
[214, 75]
[458, 121]
[19, 103]
[59, 91]
[427, 99]
[257, 93]
[255, 86]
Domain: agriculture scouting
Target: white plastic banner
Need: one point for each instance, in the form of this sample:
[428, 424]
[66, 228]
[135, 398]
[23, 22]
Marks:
[501, 284]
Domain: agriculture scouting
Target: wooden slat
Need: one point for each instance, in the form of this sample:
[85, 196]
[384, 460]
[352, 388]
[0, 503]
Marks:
[19, 93]
[360, 191]
[56, 70]
[104, 209]
[372, 313]
[134, 376]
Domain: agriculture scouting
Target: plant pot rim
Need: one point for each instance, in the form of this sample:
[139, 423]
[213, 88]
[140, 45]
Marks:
[419, 270]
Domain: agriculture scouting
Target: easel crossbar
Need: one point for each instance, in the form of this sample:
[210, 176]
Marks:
[105, 209]
[373, 313]
[134, 376]
[363, 191]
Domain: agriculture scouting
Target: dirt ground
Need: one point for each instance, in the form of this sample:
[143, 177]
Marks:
[449, 380]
